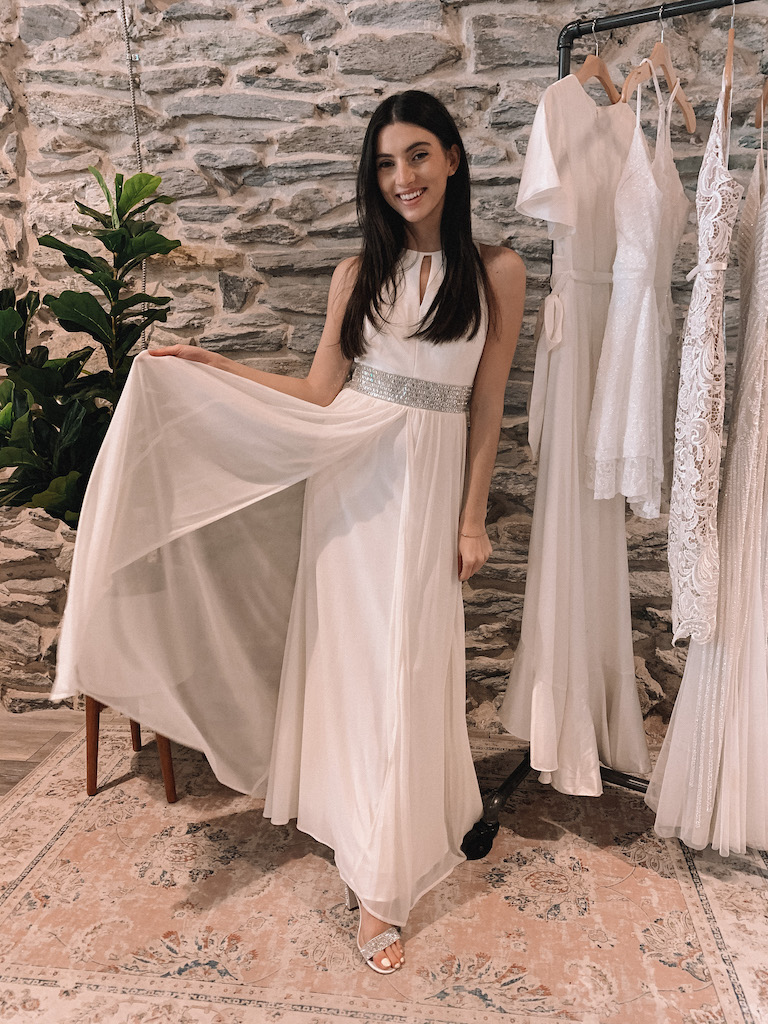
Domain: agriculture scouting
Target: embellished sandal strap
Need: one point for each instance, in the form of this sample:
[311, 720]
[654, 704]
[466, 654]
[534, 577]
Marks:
[379, 942]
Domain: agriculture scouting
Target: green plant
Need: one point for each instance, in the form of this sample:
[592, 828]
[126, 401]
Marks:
[53, 412]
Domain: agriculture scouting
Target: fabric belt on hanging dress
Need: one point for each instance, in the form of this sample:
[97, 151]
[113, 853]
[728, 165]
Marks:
[714, 266]
[411, 391]
[549, 335]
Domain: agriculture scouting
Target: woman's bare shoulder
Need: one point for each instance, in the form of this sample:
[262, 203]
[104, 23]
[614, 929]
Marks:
[501, 262]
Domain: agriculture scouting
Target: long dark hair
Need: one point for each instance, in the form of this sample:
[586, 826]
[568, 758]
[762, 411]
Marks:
[457, 309]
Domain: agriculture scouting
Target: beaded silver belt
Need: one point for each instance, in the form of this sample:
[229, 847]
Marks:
[419, 394]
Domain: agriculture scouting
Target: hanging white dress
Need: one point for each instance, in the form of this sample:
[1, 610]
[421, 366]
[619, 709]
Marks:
[624, 444]
[676, 208]
[276, 584]
[572, 688]
[709, 786]
[629, 438]
[693, 547]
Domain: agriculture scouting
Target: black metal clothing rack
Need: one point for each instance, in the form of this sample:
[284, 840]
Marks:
[479, 840]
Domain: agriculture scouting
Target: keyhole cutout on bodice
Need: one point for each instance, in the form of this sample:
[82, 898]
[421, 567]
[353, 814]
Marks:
[426, 266]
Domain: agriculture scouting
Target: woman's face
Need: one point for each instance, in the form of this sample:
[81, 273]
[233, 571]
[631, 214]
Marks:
[413, 169]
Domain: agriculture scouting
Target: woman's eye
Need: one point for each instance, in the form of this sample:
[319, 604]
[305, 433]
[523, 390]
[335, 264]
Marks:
[420, 156]
[384, 164]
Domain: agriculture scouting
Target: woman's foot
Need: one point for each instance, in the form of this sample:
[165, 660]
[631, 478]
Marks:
[391, 957]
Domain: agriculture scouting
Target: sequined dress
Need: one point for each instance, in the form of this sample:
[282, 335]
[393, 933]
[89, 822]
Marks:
[709, 785]
[275, 583]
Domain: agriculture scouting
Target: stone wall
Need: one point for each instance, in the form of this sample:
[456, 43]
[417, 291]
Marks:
[253, 113]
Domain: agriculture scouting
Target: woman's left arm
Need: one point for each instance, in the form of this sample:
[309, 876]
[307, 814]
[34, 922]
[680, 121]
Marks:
[506, 277]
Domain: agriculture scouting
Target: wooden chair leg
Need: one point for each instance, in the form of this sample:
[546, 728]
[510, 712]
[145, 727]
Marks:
[135, 735]
[166, 767]
[93, 710]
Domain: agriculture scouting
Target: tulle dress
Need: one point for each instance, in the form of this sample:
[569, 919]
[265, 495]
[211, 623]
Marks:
[709, 785]
[275, 583]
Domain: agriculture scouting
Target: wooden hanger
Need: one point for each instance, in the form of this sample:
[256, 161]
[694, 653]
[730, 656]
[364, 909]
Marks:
[595, 67]
[762, 106]
[662, 61]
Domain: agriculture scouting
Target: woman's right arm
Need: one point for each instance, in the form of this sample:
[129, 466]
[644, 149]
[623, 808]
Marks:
[329, 367]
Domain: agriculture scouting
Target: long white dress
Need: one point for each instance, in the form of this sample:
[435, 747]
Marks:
[276, 584]
[709, 786]
[693, 544]
[572, 688]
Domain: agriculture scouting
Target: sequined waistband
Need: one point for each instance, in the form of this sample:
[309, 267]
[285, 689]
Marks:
[419, 394]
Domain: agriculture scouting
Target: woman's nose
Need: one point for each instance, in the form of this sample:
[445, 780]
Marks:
[404, 174]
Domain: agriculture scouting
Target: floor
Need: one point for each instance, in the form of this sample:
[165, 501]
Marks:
[27, 739]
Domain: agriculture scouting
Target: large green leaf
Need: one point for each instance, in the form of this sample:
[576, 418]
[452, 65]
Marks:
[149, 244]
[6, 416]
[102, 218]
[10, 456]
[80, 311]
[108, 194]
[165, 200]
[10, 322]
[72, 425]
[7, 298]
[139, 299]
[76, 258]
[42, 382]
[44, 437]
[37, 356]
[135, 190]
[61, 495]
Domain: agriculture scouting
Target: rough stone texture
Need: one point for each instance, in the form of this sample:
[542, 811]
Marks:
[253, 114]
[35, 558]
[397, 58]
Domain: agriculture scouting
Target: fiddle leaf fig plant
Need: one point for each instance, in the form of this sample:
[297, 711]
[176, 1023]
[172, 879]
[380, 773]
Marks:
[54, 413]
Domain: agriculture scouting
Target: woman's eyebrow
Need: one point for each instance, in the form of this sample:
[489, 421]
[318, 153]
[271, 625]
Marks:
[413, 145]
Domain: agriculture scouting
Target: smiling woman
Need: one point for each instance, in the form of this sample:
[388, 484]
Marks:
[301, 614]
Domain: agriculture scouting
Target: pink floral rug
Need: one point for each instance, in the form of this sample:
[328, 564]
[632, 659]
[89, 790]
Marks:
[127, 910]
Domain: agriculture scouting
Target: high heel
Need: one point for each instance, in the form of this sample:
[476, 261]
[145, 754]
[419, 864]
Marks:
[379, 942]
[350, 899]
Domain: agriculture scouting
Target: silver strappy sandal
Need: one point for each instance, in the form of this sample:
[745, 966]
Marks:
[379, 942]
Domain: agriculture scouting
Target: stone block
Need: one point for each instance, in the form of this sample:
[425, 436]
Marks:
[193, 10]
[234, 291]
[400, 58]
[189, 257]
[289, 172]
[296, 296]
[649, 691]
[403, 14]
[257, 78]
[205, 214]
[6, 99]
[76, 79]
[183, 183]
[175, 79]
[310, 24]
[34, 538]
[339, 139]
[307, 205]
[260, 331]
[317, 260]
[262, 234]
[227, 157]
[305, 337]
[511, 113]
[224, 131]
[48, 21]
[311, 63]
[20, 641]
[508, 41]
[250, 106]
[217, 47]
[98, 115]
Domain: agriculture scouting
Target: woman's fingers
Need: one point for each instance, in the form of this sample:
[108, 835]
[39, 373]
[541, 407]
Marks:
[474, 552]
[192, 352]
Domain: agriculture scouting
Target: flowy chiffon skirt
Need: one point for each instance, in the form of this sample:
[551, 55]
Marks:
[275, 583]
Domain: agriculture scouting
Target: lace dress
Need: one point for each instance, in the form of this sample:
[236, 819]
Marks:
[693, 546]
[624, 445]
[572, 688]
[709, 786]
[275, 583]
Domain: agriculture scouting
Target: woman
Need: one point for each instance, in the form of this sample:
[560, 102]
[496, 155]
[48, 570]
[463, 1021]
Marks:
[295, 572]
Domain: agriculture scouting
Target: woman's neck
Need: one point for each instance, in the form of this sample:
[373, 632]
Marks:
[424, 241]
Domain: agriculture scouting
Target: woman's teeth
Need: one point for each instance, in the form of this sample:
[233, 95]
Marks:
[407, 196]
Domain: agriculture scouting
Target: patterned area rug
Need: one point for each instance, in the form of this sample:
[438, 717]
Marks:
[122, 909]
